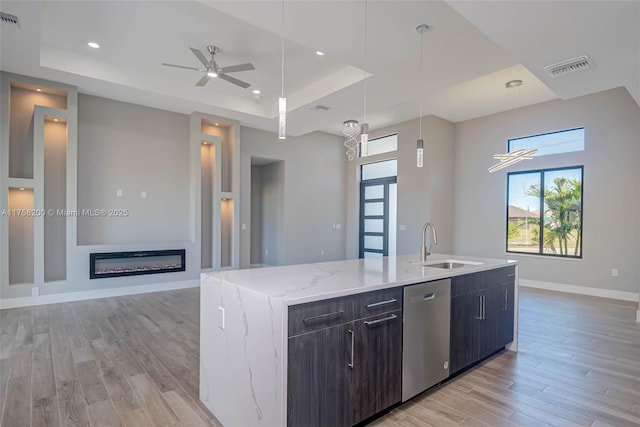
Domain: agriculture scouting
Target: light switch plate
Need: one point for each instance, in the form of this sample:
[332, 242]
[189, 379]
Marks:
[403, 227]
[119, 192]
[143, 194]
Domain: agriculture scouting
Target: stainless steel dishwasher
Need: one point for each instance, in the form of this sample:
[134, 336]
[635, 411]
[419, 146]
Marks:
[425, 345]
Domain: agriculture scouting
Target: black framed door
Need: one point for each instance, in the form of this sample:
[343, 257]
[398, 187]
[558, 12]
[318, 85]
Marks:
[374, 216]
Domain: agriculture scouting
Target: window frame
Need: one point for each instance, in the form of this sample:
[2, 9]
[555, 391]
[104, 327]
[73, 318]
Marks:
[549, 133]
[384, 152]
[541, 252]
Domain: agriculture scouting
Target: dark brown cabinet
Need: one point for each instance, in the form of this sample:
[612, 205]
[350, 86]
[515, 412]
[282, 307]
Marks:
[341, 374]
[317, 393]
[376, 381]
[482, 312]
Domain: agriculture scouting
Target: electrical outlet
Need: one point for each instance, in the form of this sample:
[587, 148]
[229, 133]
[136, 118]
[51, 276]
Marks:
[143, 194]
[266, 251]
[338, 226]
[119, 193]
[244, 227]
[221, 318]
[321, 251]
[614, 272]
[403, 227]
[35, 291]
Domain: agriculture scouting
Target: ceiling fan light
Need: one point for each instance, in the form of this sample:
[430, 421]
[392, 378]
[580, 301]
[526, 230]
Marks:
[212, 73]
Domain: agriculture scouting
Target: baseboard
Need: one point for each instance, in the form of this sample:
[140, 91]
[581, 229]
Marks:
[582, 290]
[95, 294]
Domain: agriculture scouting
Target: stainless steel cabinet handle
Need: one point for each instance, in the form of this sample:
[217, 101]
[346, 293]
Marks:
[384, 319]
[506, 299]
[322, 316]
[375, 304]
[479, 316]
[484, 306]
[352, 348]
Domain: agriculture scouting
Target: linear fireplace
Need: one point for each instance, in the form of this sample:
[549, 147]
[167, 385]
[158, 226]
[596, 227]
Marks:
[115, 264]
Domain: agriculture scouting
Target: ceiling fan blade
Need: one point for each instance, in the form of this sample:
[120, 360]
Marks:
[198, 53]
[181, 66]
[204, 80]
[240, 67]
[235, 81]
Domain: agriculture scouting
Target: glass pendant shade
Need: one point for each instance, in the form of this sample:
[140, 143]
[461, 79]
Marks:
[364, 139]
[282, 118]
[420, 153]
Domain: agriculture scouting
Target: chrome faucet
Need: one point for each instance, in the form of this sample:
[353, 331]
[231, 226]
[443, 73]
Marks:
[424, 252]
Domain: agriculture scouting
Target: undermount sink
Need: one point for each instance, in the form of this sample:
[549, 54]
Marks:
[445, 265]
[450, 264]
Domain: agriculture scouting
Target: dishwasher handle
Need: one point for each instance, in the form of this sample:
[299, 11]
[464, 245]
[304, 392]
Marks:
[423, 297]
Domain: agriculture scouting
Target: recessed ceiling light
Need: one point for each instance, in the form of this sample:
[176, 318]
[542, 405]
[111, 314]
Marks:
[21, 188]
[38, 90]
[93, 45]
[256, 91]
[56, 120]
[319, 53]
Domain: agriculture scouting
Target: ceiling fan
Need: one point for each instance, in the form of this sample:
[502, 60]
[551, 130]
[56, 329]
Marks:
[211, 68]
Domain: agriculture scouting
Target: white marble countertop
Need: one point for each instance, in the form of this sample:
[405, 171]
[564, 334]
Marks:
[296, 284]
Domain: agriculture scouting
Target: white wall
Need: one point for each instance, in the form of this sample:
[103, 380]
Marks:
[314, 193]
[424, 194]
[611, 197]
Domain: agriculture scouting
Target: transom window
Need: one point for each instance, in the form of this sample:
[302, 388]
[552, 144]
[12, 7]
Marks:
[544, 212]
[384, 144]
[564, 141]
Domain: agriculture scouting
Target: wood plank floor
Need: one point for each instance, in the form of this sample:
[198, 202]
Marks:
[133, 361]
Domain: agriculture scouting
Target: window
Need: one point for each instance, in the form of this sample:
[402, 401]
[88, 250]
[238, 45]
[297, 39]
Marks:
[544, 212]
[564, 141]
[384, 144]
[378, 194]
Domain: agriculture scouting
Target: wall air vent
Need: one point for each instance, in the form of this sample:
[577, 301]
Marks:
[9, 20]
[569, 66]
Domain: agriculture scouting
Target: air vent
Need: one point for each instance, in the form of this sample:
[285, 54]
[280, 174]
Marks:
[9, 20]
[572, 65]
[319, 107]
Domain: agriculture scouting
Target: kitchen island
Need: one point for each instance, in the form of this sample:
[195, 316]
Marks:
[248, 319]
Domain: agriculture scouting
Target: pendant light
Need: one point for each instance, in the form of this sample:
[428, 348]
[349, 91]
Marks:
[511, 158]
[282, 101]
[421, 29]
[364, 127]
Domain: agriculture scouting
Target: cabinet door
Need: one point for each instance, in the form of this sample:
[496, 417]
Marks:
[489, 320]
[319, 377]
[506, 315]
[377, 364]
[465, 314]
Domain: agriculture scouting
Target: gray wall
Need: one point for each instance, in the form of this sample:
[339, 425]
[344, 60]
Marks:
[133, 148]
[424, 194]
[314, 194]
[611, 196]
[55, 197]
[256, 215]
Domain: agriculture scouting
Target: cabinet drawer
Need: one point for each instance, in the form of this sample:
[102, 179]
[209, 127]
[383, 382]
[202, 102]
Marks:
[371, 303]
[462, 285]
[507, 275]
[317, 315]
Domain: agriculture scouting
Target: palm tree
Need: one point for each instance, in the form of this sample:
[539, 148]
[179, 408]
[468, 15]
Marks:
[562, 216]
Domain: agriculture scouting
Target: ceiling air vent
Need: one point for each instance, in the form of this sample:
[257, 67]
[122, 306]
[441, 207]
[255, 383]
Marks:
[319, 107]
[569, 66]
[9, 20]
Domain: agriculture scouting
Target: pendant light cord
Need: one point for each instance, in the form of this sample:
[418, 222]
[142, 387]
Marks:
[421, 83]
[282, 51]
[364, 120]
